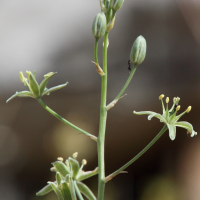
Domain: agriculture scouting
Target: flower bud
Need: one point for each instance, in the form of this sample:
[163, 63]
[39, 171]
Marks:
[99, 25]
[116, 4]
[34, 85]
[138, 51]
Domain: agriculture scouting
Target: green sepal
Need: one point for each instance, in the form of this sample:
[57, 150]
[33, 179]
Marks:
[116, 4]
[34, 86]
[56, 190]
[58, 178]
[67, 177]
[85, 191]
[45, 81]
[74, 167]
[85, 175]
[72, 189]
[65, 189]
[61, 168]
[46, 92]
[45, 190]
[21, 94]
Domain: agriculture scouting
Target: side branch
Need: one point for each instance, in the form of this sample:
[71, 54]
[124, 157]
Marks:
[108, 178]
[65, 121]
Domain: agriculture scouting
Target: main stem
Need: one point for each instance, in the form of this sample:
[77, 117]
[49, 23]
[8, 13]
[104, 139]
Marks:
[102, 124]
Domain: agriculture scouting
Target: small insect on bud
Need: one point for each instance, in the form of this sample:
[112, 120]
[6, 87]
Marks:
[84, 162]
[188, 109]
[116, 4]
[161, 96]
[75, 155]
[60, 159]
[178, 108]
[99, 25]
[138, 51]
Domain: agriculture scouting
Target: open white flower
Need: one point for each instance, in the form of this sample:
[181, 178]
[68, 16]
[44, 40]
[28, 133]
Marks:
[35, 90]
[169, 117]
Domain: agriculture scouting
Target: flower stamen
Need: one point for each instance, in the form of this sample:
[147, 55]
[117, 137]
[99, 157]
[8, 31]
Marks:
[188, 109]
[161, 96]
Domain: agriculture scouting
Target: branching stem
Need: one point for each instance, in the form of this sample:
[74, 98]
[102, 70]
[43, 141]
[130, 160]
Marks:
[64, 120]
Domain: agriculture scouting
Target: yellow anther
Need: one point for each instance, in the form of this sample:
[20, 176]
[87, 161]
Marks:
[178, 108]
[188, 109]
[174, 99]
[21, 76]
[28, 74]
[53, 169]
[161, 96]
[167, 100]
[75, 155]
[84, 162]
[60, 158]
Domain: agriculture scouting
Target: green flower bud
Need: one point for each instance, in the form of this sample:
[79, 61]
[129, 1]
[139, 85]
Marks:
[138, 50]
[99, 25]
[116, 4]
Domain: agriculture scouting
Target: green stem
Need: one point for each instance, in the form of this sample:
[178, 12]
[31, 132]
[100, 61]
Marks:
[77, 191]
[127, 82]
[96, 51]
[108, 178]
[102, 124]
[64, 120]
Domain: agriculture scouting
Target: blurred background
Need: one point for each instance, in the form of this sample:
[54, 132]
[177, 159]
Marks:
[56, 36]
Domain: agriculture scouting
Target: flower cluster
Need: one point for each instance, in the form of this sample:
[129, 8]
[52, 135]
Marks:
[169, 117]
[68, 177]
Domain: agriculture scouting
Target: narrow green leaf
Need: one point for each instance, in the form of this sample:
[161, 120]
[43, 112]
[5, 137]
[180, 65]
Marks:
[45, 190]
[65, 189]
[56, 190]
[61, 168]
[84, 189]
[45, 81]
[74, 166]
[54, 88]
[88, 174]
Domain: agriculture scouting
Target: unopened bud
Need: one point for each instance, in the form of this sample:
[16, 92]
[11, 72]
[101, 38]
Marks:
[52, 169]
[167, 100]
[138, 50]
[178, 108]
[116, 4]
[99, 25]
[28, 74]
[161, 96]
[188, 109]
